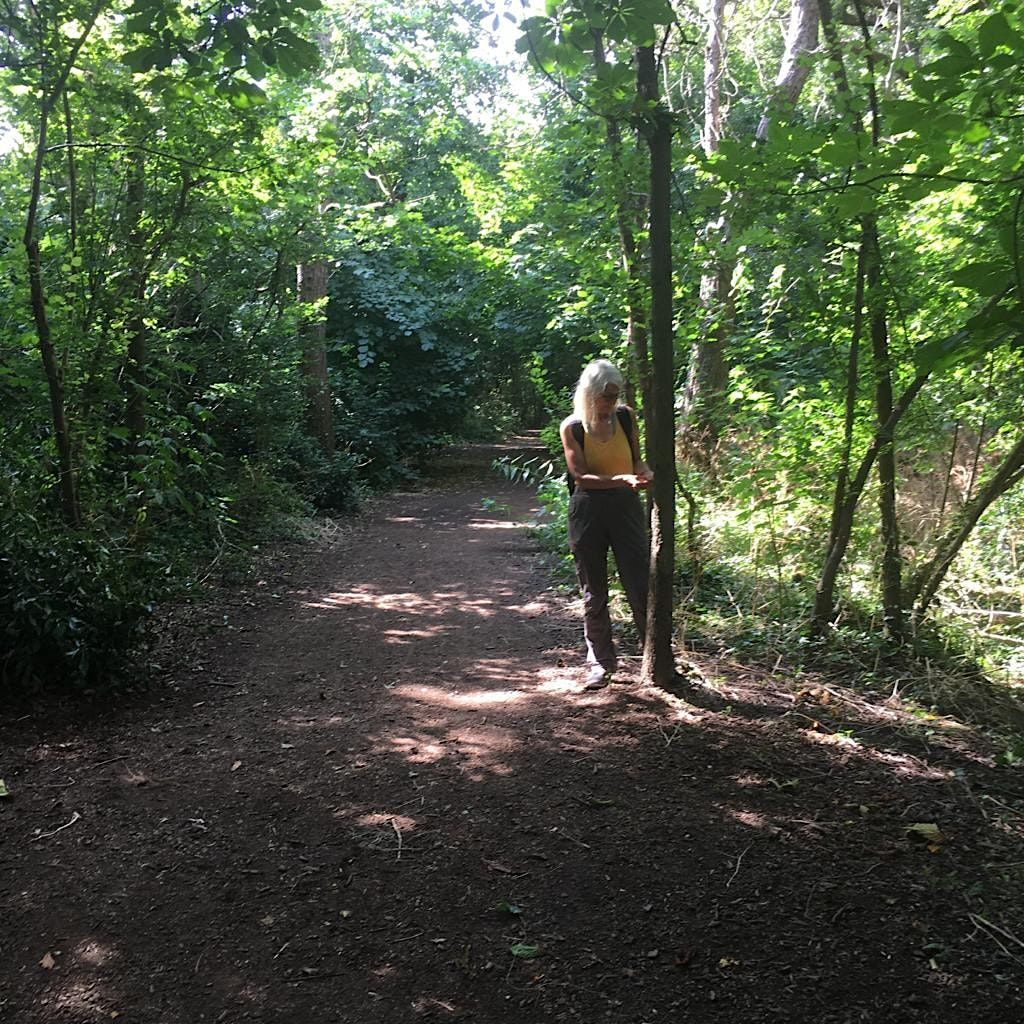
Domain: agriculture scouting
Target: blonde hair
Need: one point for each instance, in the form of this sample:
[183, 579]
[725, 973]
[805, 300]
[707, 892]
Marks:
[596, 376]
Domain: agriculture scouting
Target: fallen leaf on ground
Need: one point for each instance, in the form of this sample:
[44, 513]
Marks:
[524, 952]
[926, 831]
[48, 962]
[4, 791]
[236, 766]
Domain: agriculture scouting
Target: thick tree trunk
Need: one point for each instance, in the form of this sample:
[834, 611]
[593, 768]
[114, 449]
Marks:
[312, 288]
[801, 40]
[659, 662]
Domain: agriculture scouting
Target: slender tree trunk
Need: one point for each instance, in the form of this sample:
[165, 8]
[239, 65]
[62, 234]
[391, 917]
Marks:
[883, 450]
[51, 367]
[707, 374]
[838, 526]
[312, 287]
[625, 216]
[704, 408]
[929, 577]
[136, 376]
[843, 527]
[892, 560]
[949, 475]
[69, 138]
[659, 662]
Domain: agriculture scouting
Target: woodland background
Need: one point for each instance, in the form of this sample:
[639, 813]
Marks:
[259, 260]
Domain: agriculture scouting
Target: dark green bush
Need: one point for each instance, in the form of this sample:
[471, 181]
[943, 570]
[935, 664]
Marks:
[71, 609]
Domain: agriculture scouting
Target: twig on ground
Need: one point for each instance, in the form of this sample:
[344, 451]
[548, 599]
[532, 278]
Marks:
[739, 861]
[46, 835]
[572, 839]
[988, 928]
[109, 760]
[675, 732]
[398, 835]
[1016, 812]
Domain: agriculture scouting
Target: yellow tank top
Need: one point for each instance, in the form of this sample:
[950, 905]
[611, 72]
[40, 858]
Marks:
[609, 458]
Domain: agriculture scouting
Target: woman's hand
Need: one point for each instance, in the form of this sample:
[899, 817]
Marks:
[634, 481]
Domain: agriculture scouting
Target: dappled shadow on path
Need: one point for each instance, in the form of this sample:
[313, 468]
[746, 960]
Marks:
[384, 795]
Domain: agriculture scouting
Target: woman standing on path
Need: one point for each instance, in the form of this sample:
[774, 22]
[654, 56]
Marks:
[605, 467]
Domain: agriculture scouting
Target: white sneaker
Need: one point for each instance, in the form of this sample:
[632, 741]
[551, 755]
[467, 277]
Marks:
[597, 678]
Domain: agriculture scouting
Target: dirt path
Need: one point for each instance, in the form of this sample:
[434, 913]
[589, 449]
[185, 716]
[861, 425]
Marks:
[376, 792]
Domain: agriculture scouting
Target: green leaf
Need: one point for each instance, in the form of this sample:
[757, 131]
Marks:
[504, 907]
[4, 791]
[985, 278]
[906, 116]
[854, 202]
[524, 952]
[993, 32]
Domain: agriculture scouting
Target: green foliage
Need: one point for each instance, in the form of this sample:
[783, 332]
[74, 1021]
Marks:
[71, 607]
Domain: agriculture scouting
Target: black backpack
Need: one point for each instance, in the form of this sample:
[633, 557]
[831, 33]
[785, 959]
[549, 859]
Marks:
[579, 435]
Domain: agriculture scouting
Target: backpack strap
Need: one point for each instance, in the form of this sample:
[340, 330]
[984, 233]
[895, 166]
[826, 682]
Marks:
[626, 422]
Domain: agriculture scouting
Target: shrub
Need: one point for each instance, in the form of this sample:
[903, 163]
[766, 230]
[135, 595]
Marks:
[71, 609]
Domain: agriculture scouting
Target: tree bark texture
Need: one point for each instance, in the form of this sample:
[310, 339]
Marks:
[659, 662]
[625, 216]
[312, 288]
[892, 560]
[801, 41]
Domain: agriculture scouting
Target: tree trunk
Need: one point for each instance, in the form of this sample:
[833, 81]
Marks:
[136, 377]
[625, 215]
[929, 577]
[838, 526]
[659, 662]
[704, 407]
[892, 560]
[708, 375]
[66, 484]
[843, 526]
[312, 288]
[801, 41]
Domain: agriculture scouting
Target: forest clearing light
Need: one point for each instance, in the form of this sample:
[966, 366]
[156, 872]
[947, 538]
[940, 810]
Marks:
[448, 699]
[94, 953]
[440, 604]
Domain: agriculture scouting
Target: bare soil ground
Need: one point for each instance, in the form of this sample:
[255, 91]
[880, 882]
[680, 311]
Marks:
[370, 787]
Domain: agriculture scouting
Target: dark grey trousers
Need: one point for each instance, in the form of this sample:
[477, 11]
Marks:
[599, 520]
